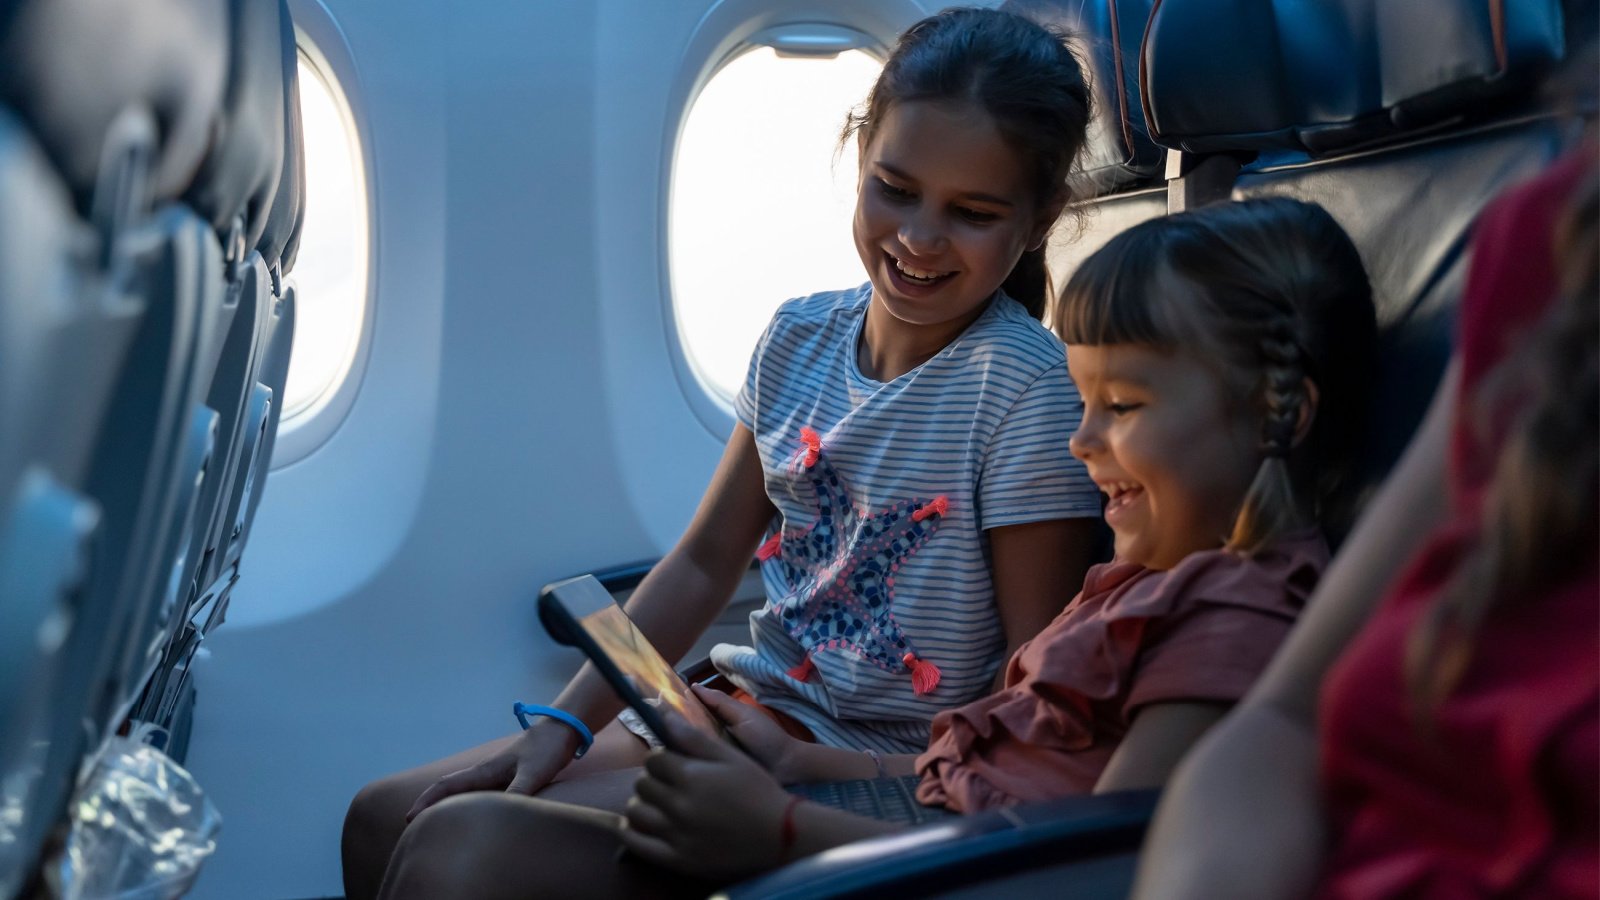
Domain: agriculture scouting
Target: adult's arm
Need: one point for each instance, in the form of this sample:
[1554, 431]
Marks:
[1242, 817]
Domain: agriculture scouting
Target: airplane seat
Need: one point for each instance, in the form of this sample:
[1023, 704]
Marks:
[48, 420]
[1438, 111]
[1119, 180]
[1119, 154]
[279, 246]
[1332, 77]
[107, 109]
[1405, 176]
[253, 348]
[235, 191]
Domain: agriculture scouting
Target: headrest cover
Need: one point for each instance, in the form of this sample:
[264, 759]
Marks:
[1106, 35]
[240, 176]
[71, 67]
[1246, 75]
[284, 215]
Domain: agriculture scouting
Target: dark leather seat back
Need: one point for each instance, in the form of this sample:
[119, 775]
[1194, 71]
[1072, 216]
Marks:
[1119, 154]
[1249, 75]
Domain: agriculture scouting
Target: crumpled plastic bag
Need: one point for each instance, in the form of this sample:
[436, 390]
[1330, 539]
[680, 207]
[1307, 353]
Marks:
[140, 829]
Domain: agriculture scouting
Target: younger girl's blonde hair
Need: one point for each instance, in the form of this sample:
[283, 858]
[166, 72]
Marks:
[1272, 292]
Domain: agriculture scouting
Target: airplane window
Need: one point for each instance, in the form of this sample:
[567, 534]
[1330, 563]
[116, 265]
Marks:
[761, 208]
[331, 270]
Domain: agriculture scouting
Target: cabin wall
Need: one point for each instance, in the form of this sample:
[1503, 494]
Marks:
[522, 414]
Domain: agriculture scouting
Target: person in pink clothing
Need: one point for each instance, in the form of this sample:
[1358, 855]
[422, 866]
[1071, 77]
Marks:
[1217, 425]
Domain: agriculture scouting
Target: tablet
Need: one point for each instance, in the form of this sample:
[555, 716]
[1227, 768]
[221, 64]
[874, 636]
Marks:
[580, 612]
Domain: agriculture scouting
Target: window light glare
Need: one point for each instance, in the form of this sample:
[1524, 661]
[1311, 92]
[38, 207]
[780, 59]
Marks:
[331, 270]
[760, 210]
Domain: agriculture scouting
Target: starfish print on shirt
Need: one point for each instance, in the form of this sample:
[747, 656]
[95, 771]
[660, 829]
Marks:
[843, 568]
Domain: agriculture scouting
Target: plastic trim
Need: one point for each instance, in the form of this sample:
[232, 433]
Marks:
[319, 36]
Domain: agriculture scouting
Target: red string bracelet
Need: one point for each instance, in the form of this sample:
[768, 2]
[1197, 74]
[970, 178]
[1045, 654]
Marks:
[786, 831]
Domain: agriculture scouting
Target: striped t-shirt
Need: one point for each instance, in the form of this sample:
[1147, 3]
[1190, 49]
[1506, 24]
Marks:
[878, 566]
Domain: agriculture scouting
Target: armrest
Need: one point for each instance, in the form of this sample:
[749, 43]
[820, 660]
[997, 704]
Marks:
[1078, 832]
[625, 577]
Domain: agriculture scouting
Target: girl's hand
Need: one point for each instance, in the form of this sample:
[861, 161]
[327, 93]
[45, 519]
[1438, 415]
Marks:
[756, 733]
[710, 811]
[525, 767]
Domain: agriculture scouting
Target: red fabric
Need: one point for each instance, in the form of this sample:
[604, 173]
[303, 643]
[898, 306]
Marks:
[1503, 797]
[1200, 632]
[791, 726]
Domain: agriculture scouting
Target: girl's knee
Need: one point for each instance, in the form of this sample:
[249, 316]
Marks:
[442, 849]
[477, 844]
[377, 809]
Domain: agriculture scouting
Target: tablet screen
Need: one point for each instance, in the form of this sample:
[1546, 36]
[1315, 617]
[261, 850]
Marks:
[607, 632]
[655, 680]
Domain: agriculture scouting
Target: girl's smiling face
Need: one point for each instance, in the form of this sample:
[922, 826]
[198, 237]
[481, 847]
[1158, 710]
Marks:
[944, 209]
[1171, 446]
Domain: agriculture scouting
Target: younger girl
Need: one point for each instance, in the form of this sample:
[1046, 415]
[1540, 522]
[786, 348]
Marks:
[900, 445]
[1218, 425]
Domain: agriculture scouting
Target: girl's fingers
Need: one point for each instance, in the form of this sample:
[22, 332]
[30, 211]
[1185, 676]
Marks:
[650, 848]
[693, 742]
[473, 778]
[727, 709]
[666, 799]
[665, 766]
[647, 818]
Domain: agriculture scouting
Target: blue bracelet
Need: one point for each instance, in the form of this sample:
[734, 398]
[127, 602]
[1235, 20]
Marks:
[524, 711]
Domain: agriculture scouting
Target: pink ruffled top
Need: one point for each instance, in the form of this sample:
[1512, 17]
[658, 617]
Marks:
[1202, 631]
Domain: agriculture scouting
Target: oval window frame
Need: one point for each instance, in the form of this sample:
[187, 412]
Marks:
[322, 43]
[813, 42]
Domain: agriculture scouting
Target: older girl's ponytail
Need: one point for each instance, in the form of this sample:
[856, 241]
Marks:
[1029, 282]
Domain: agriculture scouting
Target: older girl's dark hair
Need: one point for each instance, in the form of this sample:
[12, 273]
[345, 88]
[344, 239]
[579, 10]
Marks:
[1021, 74]
[1275, 293]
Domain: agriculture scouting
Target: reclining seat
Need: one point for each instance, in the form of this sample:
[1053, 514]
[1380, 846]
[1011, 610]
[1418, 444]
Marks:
[1119, 154]
[1438, 115]
[106, 108]
[280, 246]
[237, 192]
[249, 375]
[1406, 197]
[227, 205]
[1119, 179]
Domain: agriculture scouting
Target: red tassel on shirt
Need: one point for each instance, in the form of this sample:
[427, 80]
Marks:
[813, 445]
[924, 674]
[770, 547]
[939, 506]
[803, 671]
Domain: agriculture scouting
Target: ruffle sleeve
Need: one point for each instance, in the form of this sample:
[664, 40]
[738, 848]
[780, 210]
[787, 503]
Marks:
[1201, 631]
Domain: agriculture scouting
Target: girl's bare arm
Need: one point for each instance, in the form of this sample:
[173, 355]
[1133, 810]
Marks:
[689, 587]
[1038, 567]
[673, 605]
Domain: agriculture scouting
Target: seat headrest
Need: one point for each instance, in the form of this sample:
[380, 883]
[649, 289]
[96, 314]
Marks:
[1106, 35]
[1249, 75]
[71, 68]
[284, 217]
[240, 175]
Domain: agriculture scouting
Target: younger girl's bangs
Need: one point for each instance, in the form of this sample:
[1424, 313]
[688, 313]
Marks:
[1124, 294]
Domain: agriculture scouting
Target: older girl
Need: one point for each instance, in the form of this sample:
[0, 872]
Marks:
[900, 445]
